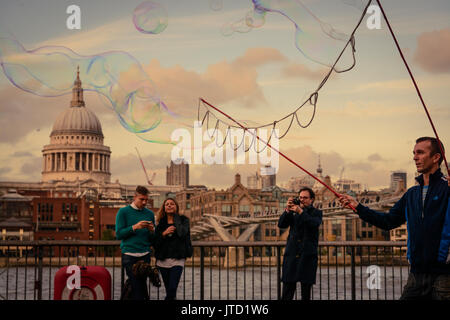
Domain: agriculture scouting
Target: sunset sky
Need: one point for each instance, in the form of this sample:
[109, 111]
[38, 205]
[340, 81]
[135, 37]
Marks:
[366, 121]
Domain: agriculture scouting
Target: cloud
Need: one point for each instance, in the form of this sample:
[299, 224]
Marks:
[32, 168]
[366, 172]
[122, 165]
[207, 175]
[255, 57]
[391, 85]
[128, 168]
[296, 70]
[4, 170]
[359, 166]
[225, 82]
[91, 39]
[375, 157]
[20, 154]
[368, 109]
[433, 51]
[222, 82]
[19, 110]
[308, 159]
[202, 174]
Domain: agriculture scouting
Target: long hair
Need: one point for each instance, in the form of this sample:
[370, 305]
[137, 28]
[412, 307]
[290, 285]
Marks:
[162, 211]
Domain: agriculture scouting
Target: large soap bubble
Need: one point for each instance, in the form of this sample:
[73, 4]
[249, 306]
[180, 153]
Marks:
[116, 76]
[150, 17]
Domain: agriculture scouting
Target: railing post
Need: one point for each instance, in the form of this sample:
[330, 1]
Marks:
[353, 276]
[38, 282]
[122, 276]
[278, 273]
[202, 273]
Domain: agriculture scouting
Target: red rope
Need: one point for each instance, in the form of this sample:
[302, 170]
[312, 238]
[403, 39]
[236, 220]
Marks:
[278, 151]
[415, 85]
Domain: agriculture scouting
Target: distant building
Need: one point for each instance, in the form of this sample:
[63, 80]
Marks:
[16, 212]
[347, 185]
[66, 219]
[13, 204]
[236, 201]
[319, 170]
[349, 228]
[399, 234]
[398, 181]
[268, 176]
[296, 183]
[254, 181]
[323, 194]
[177, 174]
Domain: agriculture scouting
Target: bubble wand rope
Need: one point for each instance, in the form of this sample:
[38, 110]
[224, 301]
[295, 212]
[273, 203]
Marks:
[276, 150]
[415, 85]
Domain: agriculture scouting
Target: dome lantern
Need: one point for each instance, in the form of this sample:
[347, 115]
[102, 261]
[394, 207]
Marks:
[77, 92]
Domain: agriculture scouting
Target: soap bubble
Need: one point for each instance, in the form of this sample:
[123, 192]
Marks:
[150, 17]
[118, 78]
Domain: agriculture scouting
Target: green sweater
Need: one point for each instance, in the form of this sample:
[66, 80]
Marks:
[137, 241]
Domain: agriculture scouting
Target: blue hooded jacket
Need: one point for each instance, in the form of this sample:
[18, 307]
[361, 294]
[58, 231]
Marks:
[428, 224]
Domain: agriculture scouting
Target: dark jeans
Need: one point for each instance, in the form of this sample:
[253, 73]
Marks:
[171, 278]
[289, 289]
[139, 289]
[427, 287]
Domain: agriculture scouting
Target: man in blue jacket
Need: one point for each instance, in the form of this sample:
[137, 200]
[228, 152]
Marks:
[425, 208]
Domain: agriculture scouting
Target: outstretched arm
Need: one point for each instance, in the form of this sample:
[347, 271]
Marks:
[387, 221]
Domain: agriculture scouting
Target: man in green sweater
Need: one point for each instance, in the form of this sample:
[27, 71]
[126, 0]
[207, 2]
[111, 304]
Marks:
[135, 226]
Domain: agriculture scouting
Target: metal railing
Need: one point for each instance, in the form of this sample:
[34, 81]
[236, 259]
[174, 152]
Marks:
[218, 270]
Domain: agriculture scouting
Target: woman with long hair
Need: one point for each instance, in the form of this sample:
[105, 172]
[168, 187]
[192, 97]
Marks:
[171, 250]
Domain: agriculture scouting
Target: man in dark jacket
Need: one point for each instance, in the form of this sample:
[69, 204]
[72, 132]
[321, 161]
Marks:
[300, 255]
[425, 209]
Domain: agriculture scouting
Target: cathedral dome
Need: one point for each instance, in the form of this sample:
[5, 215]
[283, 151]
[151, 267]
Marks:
[76, 151]
[77, 120]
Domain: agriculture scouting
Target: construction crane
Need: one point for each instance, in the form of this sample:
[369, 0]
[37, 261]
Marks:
[149, 181]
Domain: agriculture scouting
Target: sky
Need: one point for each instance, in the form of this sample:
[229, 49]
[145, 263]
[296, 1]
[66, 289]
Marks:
[366, 119]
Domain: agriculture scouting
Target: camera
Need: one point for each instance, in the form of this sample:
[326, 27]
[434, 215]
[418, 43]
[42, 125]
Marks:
[296, 201]
[144, 269]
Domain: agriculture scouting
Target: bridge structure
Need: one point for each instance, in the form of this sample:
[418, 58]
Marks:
[211, 224]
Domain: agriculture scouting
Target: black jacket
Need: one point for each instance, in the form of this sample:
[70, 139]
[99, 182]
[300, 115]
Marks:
[300, 255]
[172, 246]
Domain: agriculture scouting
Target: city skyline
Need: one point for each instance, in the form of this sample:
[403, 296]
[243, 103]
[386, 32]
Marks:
[366, 121]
